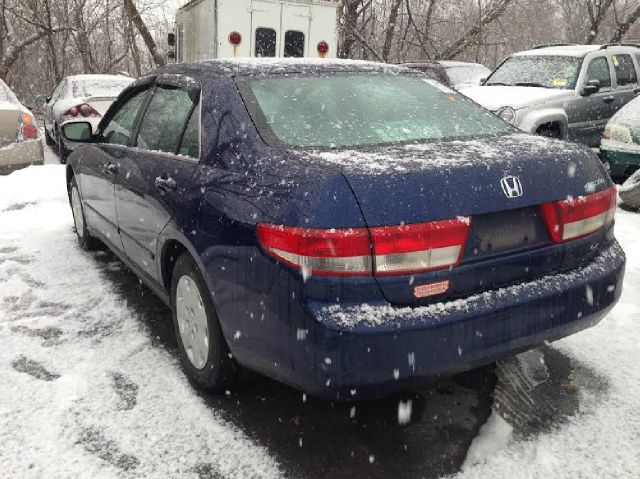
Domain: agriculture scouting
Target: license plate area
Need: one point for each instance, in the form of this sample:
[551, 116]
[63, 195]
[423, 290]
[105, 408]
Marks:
[512, 230]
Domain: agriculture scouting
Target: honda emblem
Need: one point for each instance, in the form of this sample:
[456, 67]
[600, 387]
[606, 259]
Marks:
[511, 186]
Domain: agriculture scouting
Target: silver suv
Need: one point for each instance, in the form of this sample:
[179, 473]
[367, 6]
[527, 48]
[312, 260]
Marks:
[562, 91]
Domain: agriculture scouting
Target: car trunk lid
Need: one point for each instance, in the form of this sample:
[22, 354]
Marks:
[499, 183]
[9, 122]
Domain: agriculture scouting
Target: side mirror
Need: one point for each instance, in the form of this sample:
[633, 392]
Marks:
[41, 101]
[77, 131]
[591, 87]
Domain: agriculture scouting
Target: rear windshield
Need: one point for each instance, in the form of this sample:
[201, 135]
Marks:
[362, 109]
[538, 71]
[99, 87]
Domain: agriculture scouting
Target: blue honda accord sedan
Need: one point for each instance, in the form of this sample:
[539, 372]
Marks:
[347, 228]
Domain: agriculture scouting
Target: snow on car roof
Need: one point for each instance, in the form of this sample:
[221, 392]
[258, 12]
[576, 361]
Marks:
[455, 63]
[249, 66]
[564, 50]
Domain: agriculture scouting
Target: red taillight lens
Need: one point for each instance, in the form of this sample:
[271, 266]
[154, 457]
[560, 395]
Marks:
[316, 251]
[577, 217]
[30, 131]
[419, 247]
[83, 109]
[235, 38]
[323, 47]
[386, 250]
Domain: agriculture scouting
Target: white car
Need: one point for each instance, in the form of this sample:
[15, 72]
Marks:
[20, 143]
[78, 97]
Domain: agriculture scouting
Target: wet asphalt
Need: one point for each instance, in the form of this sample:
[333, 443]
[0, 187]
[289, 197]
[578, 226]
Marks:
[313, 438]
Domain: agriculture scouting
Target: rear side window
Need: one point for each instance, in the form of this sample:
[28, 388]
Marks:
[118, 130]
[294, 44]
[164, 120]
[265, 42]
[599, 70]
[625, 71]
[190, 145]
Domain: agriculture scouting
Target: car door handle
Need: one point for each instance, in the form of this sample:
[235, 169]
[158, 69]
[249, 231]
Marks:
[165, 183]
[111, 168]
[608, 99]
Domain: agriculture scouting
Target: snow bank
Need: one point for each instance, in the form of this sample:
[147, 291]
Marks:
[83, 391]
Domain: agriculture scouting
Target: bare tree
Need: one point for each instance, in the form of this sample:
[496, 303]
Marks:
[136, 19]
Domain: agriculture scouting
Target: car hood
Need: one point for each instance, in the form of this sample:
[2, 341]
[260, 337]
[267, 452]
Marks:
[496, 97]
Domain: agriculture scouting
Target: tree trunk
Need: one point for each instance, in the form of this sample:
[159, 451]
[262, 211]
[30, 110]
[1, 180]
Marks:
[134, 15]
[623, 28]
[390, 31]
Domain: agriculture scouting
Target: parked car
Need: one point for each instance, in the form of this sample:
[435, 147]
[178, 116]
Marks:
[453, 74]
[563, 91]
[630, 191]
[344, 227]
[20, 143]
[620, 148]
[85, 97]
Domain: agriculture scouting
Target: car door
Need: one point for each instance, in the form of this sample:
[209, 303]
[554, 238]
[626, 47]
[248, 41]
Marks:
[626, 80]
[150, 187]
[588, 115]
[101, 165]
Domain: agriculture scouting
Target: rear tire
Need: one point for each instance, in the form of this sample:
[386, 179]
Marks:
[85, 240]
[204, 352]
[630, 191]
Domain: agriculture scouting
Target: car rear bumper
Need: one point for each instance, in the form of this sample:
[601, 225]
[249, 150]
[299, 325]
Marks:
[364, 351]
[18, 155]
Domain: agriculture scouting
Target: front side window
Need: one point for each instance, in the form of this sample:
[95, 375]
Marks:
[362, 109]
[599, 70]
[625, 71]
[163, 122]
[119, 129]
[538, 71]
[265, 42]
[294, 44]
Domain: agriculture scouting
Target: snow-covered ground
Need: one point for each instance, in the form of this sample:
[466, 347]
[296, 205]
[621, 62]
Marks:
[85, 391]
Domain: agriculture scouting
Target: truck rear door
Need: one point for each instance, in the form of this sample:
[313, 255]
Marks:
[265, 29]
[294, 30]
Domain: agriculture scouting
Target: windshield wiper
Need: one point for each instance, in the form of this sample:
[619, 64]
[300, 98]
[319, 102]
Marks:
[526, 83]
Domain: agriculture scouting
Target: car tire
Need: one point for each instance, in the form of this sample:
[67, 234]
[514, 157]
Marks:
[47, 138]
[85, 240]
[630, 191]
[204, 353]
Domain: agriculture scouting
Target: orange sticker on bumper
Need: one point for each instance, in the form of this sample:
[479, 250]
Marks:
[431, 289]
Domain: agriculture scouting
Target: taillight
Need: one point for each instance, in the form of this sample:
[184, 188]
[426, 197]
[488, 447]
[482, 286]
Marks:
[577, 217]
[386, 250]
[334, 252]
[85, 110]
[419, 247]
[27, 130]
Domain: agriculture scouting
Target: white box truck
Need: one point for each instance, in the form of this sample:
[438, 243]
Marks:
[256, 28]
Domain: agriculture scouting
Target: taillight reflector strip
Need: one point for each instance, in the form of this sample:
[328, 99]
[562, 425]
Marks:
[385, 250]
[335, 252]
[577, 217]
[419, 247]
